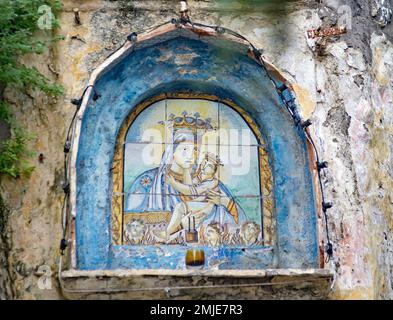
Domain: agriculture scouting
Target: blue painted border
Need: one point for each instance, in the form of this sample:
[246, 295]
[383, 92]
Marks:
[186, 65]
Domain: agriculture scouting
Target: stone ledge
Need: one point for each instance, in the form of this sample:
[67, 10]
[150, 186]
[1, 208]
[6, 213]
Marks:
[202, 284]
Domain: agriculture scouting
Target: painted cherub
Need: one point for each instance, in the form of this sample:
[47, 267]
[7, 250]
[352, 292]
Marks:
[135, 231]
[195, 205]
[249, 233]
[212, 234]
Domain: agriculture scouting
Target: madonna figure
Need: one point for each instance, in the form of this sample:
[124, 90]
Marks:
[182, 188]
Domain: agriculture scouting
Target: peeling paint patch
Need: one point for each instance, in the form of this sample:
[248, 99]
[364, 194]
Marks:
[305, 101]
[185, 58]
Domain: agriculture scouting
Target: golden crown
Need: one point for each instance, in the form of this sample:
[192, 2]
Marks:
[188, 121]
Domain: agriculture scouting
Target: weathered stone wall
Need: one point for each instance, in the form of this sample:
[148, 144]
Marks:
[347, 92]
[6, 288]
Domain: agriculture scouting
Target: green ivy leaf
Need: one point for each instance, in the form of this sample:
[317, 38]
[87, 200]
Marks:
[19, 36]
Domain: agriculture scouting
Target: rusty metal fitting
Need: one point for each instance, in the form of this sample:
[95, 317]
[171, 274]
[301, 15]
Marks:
[326, 32]
[77, 17]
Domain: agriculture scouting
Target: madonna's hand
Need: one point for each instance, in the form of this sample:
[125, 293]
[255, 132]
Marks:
[218, 198]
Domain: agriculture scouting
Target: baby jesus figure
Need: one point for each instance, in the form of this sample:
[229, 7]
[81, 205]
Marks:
[195, 204]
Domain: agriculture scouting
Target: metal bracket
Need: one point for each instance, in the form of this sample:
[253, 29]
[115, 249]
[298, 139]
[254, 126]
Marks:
[326, 32]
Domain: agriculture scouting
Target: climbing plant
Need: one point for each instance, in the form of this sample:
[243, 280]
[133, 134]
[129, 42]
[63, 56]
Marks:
[23, 23]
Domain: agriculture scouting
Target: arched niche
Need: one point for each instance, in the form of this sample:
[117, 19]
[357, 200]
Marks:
[180, 62]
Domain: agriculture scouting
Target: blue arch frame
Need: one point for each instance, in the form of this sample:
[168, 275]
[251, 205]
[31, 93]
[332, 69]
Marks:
[190, 65]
